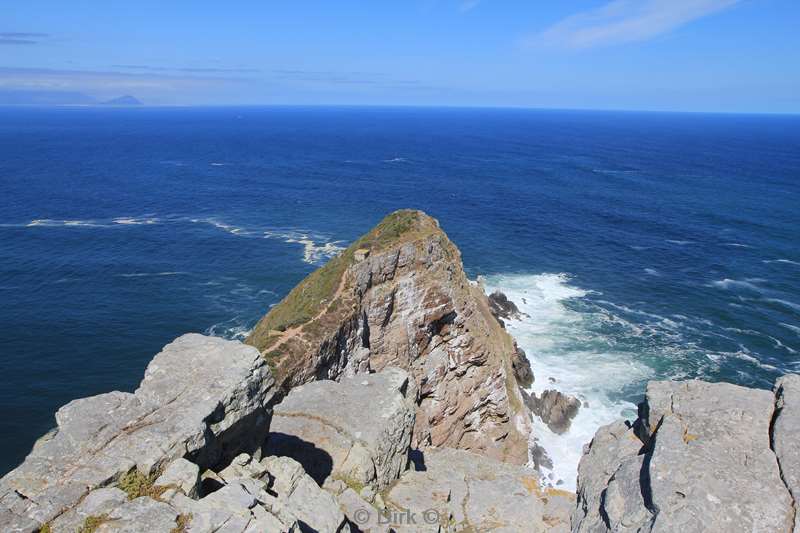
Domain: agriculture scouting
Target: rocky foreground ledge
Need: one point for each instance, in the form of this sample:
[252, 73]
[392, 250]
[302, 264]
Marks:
[383, 394]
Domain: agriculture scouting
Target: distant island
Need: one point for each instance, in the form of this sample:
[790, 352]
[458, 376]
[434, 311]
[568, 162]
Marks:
[13, 97]
[126, 100]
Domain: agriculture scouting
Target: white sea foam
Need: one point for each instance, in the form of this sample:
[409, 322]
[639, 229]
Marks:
[679, 243]
[569, 352]
[395, 160]
[736, 245]
[791, 327]
[47, 222]
[134, 221]
[784, 261]
[233, 230]
[729, 284]
[652, 272]
[315, 251]
[149, 274]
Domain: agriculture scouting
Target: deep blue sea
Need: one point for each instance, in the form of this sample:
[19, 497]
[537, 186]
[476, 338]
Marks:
[641, 245]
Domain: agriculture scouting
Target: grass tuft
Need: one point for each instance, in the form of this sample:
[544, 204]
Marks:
[91, 523]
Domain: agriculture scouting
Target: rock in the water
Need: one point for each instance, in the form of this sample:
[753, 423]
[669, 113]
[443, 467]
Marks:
[357, 430]
[555, 408]
[502, 307]
[522, 367]
[698, 459]
[409, 304]
[202, 398]
[461, 491]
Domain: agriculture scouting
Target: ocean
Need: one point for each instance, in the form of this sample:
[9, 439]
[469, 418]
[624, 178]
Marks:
[639, 245]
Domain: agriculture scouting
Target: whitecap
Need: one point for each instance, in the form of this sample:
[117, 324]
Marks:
[134, 221]
[47, 222]
[728, 284]
[679, 243]
[791, 327]
[784, 261]
[395, 160]
[786, 303]
[233, 230]
[736, 245]
[148, 274]
[652, 272]
[218, 164]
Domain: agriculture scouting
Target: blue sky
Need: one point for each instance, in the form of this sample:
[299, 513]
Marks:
[689, 55]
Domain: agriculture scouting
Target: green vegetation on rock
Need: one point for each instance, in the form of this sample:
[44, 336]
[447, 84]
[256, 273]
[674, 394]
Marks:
[91, 523]
[317, 290]
[135, 484]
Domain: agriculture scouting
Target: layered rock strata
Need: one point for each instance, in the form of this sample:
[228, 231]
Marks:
[399, 297]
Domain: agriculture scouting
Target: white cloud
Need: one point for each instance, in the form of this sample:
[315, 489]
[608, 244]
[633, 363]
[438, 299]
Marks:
[468, 5]
[624, 21]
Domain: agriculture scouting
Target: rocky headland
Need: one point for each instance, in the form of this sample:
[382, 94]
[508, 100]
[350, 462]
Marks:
[384, 394]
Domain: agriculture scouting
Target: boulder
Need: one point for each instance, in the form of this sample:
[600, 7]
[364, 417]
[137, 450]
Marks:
[522, 367]
[502, 307]
[698, 458]
[555, 408]
[202, 398]
[357, 430]
[462, 491]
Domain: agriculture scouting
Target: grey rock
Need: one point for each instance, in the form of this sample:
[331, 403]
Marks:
[97, 503]
[300, 496]
[201, 398]
[786, 435]
[555, 408]
[698, 459]
[357, 430]
[461, 491]
[139, 515]
[182, 475]
[502, 307]
[361, 513]
[522, 367]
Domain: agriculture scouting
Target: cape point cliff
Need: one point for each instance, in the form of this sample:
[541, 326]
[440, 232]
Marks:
[384, 394]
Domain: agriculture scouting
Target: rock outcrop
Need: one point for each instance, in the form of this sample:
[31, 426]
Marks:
[399, 297]
[357, 430]
[555, 408]
[503, 308]
[461, 491]
[701, 457]
[202, 398]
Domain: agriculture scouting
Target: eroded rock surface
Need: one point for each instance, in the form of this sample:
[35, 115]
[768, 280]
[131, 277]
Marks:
[405, 301]
[699, 458]
[461, 491]
[357, 430]
[201, 398]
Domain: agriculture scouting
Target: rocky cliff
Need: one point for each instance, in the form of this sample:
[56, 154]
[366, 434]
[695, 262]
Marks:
[383, 397]
[700, 457]
[399, 297]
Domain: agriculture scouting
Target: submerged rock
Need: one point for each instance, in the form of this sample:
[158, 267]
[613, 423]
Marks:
[407, 303]
[699, 458]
